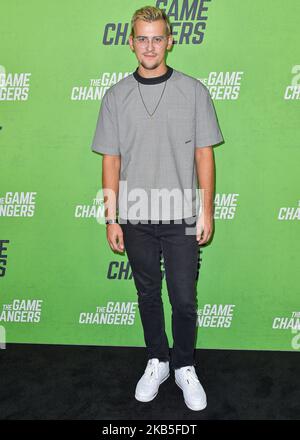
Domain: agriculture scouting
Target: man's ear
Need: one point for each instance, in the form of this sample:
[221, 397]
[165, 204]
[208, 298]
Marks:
[170, 41]
[130, 39]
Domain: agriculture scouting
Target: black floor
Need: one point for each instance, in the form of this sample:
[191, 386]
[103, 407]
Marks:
[98, 383]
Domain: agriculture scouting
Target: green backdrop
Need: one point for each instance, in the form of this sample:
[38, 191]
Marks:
[59, 280]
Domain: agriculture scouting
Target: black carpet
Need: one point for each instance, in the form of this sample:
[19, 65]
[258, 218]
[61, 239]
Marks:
[98, 383]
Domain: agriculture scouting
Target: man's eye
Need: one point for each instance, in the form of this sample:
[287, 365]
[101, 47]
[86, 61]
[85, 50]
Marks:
[158, 39]
[142, 39]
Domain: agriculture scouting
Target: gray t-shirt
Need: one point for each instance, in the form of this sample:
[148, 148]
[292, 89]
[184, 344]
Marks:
[158, 178]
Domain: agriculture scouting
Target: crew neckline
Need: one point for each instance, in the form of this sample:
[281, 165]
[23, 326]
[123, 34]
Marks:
[154, 79]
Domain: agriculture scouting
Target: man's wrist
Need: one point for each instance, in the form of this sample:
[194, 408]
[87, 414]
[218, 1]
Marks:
[111, 221]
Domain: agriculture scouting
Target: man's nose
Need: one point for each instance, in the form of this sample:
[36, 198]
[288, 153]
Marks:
[149, 43]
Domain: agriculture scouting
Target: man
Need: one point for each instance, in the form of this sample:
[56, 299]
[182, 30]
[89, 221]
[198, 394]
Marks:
[156, 129]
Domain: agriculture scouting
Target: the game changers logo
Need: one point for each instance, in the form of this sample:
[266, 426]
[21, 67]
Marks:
[292, 91]
[25, 310]
[96, 209]
[215, 315]
[287, 322]
[289, 212]
[223, 85]
[14, 86]
[188, 20]
[97, 87]
[114, 313]
[17, 204]
[225, 206]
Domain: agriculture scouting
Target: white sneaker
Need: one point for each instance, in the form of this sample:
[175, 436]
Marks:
[156, 372]
[193, 392]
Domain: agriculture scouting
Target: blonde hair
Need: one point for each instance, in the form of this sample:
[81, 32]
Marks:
[150, 13]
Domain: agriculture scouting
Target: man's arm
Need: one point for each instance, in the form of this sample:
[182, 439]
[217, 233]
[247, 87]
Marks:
[111, 165]
[205, 166]
[110, 183]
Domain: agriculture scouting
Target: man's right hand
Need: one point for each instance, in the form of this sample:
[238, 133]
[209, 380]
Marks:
[114, 236]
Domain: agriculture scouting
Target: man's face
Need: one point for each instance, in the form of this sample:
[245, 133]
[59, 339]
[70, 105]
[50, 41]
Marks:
[150, 56]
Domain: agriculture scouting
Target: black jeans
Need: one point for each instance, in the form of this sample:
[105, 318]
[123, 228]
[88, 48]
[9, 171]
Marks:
[143, 243]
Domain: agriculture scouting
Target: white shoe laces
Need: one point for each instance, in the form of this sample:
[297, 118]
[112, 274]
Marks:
[190, 375]
[152, 369]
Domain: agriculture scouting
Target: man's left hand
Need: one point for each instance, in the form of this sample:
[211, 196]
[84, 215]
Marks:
[204, 228]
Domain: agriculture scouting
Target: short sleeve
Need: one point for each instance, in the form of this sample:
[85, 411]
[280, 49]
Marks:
[106, 134]
[207, 127]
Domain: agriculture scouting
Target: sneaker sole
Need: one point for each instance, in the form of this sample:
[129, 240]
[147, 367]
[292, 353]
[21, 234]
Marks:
[189, 405]
[148, 399]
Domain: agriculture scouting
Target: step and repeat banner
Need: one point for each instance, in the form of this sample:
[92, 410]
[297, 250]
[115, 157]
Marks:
[60, 282]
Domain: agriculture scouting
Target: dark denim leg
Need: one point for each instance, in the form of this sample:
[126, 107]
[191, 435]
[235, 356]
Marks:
[143, 252]
[180, 253]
